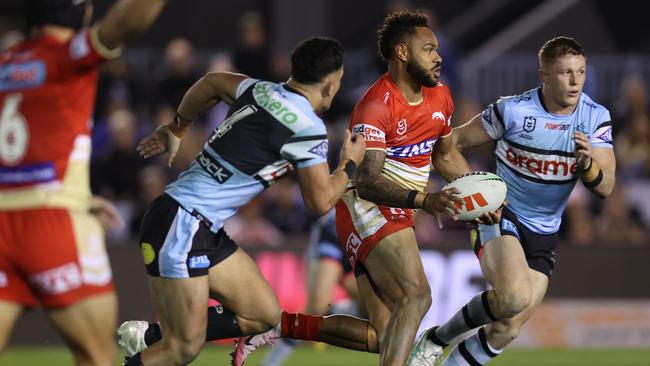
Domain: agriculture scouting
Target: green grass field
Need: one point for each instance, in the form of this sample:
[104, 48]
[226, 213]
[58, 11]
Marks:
[308, 356]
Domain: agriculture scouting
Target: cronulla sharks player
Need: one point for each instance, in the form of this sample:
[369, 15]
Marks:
[271, 130]
[547, 138]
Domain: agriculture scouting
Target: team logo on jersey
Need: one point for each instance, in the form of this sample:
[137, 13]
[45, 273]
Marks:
[352, 247]
[604, 135]
[529, 123]
[370, 132]
[402, 126]
[386, 96]
[438, 115]
[320, 150]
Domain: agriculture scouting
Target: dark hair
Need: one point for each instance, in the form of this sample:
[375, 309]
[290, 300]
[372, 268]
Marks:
[558, 47]
[66, 13]
[396, 27]
[315, 58]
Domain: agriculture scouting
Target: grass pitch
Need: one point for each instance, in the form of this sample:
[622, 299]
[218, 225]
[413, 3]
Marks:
[308, 355]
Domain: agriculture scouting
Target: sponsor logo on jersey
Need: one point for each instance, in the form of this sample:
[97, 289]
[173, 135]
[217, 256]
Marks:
[199, 261]
[274, 172]
[320, 149]
[557, 126]
[402, 126]
[28, 173]
[264, 97]
[57, 280]
[22, 75]
[420, 148]
[213, 167]
[386, 96]
[554, 167]
[370, 132]
[438, 115]
[529, 123]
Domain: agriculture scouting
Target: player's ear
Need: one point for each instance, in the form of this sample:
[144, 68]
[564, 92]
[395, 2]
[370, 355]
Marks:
[401, 51]
[328, 88]
[542, 75]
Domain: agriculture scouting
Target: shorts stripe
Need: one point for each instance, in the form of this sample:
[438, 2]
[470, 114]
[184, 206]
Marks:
[178, 242]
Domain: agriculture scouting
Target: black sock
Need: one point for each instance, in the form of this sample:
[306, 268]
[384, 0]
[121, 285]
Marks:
[152, 334]
[222, 324]
[133, 360]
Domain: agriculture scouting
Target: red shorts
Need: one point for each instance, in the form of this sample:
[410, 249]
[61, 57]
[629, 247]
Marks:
[361, 225]
[53, 255]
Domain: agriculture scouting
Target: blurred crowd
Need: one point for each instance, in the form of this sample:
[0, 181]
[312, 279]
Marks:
[134, 96]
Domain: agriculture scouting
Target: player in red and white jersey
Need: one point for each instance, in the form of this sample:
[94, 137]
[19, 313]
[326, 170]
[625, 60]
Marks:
[51, 246]
[405, 120]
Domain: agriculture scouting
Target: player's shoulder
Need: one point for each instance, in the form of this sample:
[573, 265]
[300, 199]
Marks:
[378, 98]
[522, 99]
[587, 103]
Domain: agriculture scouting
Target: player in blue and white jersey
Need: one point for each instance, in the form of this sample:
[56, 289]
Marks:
[271, 130]
[547, 139]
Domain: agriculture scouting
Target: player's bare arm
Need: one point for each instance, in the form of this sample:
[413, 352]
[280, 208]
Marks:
[373, 186]
[321, 190]
[126, 20]
[203, 95]
[597, 166]
[470, 134]
[447, 160]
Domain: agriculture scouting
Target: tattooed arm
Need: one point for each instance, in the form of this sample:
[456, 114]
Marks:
[374, 186]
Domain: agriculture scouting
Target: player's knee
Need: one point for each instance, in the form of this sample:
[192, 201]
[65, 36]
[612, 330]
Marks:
[514, 303]
[94, 355]
[506, 331]
[182, 351]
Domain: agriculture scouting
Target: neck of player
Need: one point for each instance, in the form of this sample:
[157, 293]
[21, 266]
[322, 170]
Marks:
[62, 34]
[553, 106]
[411, 89]
[311, 92]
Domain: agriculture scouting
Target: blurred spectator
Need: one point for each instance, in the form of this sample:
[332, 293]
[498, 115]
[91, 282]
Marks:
[619, 224]
[115, 88]
[577, 226]
[177, 74]
[10, 38]
[249, 228]
[633, 148]
[634, 100]
[152, 180]
[252, 57]
[216, 115]
[118, 171]
[284, 208]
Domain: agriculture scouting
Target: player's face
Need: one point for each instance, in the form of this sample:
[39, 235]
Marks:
[424, 62]
[332, 86]
[564, 78]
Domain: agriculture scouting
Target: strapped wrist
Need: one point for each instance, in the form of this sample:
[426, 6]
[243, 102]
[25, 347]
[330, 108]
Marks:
[350, 168]
[591, 173]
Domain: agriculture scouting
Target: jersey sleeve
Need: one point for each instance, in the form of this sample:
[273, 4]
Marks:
[371, 118]
[602, 134]
[307, 147]
[244, 85]
[492, 119]
[85, 50]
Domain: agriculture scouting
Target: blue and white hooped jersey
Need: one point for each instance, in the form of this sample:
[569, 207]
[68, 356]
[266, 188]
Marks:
[535, 153]
[269, 131]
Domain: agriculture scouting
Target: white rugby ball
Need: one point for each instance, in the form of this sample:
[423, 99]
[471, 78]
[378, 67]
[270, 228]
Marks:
[481, 192]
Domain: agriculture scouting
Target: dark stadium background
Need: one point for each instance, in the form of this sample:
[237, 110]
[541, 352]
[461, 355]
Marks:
[600, 293]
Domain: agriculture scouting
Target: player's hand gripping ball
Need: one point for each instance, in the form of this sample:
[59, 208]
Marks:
[481, 192]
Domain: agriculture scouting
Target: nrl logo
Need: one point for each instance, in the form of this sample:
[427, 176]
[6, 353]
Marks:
[401, 126]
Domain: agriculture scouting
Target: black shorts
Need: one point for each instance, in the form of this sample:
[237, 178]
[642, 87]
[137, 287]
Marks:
[538, 248]
[176, 243]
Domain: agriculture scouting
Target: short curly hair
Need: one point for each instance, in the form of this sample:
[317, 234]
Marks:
[396, 27]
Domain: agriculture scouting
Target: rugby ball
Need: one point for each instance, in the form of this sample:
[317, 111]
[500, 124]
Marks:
[481, 192]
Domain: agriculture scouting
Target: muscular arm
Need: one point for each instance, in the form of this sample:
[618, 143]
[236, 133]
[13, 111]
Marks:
[374, 186]
[127, 19]
[447, 160]
[321, 190]
[605, 158]
[471, 134]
